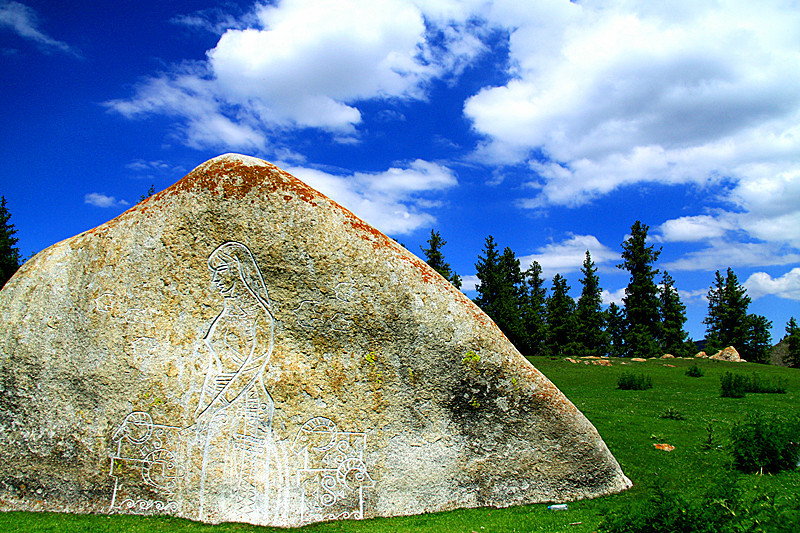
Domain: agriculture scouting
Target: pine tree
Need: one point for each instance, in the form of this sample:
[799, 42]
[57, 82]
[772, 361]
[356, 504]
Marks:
[9, 253]
[729, 324]
[673, 317]
[758, 346]
[435, 259]
[726, 322]
[487, 270]
[643, 321]
[792, 357]
[150, 192]
[560, 320]
[500, 290]
[534, 311]
[511, 299]
[591, 336]
[615, 326]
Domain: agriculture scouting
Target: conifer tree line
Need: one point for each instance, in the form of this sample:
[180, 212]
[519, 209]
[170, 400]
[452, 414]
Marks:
[650, 322]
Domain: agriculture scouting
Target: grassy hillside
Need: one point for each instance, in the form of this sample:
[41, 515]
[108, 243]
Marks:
[678, 410]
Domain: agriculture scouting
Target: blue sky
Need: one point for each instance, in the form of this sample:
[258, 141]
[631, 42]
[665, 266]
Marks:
[551, 125]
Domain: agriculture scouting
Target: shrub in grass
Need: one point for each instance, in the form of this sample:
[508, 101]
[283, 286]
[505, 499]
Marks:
[671, 414]
[631, 381]
[771, 386]
[762, 444]
[662, 512]
[732, 385]
[735, 386]
[695, 371]
[723, 509]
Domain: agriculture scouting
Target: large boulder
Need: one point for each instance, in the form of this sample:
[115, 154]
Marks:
[239, 347]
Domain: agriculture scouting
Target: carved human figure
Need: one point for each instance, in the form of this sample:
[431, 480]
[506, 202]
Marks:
[234, 414]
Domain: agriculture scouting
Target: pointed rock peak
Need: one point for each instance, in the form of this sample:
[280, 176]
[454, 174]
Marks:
[241, 348]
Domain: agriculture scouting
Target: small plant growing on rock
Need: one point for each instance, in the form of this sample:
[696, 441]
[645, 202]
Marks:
[631, 381]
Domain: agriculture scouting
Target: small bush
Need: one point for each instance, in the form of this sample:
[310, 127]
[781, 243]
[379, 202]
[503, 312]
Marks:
[695, 371]
[773, 386]
[732, 385]
[671, 414]
[631, 381]
[735, 386]
[762, 444]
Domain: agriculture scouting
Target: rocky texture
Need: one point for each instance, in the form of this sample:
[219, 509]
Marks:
[701, 355]
[239, 347]
[728, 354]
[667, 356]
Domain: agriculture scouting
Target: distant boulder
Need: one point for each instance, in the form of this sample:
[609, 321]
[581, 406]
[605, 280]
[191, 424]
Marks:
[728, 354]
[701, 355]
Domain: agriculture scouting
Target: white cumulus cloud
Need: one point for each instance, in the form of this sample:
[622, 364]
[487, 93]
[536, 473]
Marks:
[306, 64]
[394, 201]
[762, 284]
[608, 94]
[568, 255]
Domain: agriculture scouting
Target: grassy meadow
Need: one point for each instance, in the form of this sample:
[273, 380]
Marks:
[685, 412]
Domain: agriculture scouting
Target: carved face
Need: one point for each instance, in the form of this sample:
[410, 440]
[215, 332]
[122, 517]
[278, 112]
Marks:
[226, 278]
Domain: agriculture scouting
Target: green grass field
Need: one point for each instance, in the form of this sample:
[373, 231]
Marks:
[629, 421]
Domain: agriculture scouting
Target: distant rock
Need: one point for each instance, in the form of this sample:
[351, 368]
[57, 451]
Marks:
[778, 353]
[667, 356]
[639, 359]
[239, 347]
[728, 354]
[701, 355]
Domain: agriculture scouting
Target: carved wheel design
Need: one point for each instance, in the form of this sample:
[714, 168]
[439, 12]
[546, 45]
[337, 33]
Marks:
[137, 428]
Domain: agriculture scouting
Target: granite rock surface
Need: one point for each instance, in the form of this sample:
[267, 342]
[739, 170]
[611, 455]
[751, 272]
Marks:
[239, 347]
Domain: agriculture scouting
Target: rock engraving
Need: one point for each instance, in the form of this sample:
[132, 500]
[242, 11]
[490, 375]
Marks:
[234, 415]
[333, 475]
[233, 430]
[144, 465]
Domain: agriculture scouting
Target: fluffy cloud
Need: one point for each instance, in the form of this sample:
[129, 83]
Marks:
[623, 92]
[568, 255]
[613, 297]
[468, 283]
[24, 21]
[762, 284]
[306, 64]
[690, 229]
[101, 200]
[394, 201]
